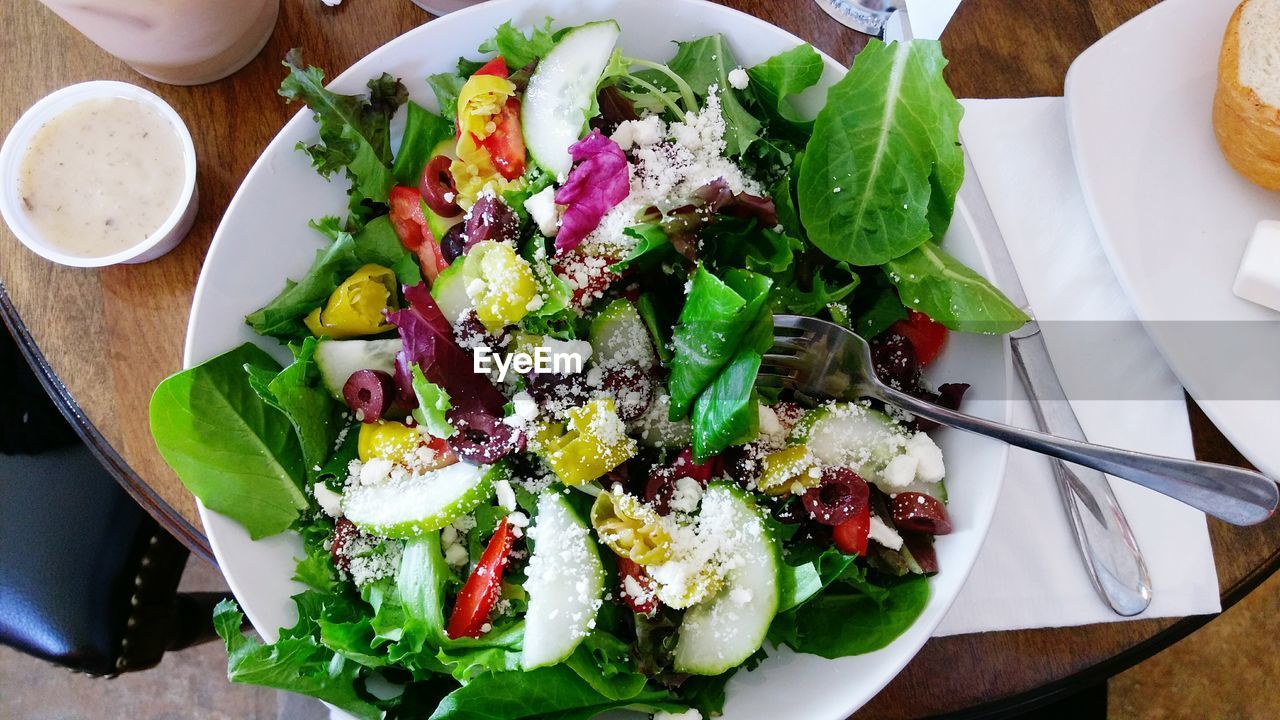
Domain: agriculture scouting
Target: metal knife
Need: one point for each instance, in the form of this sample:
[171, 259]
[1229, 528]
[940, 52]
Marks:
[1111, 554]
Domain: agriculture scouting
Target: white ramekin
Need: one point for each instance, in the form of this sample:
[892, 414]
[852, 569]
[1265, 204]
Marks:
[165, 238]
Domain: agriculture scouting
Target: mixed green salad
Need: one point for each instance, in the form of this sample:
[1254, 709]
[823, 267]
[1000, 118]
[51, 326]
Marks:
[520, 436]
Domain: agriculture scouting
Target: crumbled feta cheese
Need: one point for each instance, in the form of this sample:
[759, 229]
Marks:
[883, 534]
[901, 471]
[330, 501]
[542, 208]
[740, 596]
[376, 470]
[563, 348]
[456, 555]
[738, 78]
[686, 496]
[524, 410]
[771, 429]
[690, 714]
[518, 519]
[928, 455]
[505, 495]
[475, 288]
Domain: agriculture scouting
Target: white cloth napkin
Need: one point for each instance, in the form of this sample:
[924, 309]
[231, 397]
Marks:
[1029, 573]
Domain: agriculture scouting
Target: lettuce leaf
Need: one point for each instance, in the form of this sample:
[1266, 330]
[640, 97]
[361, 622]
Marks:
[423, 131]
[708, 61]
[880, 173]
[376, 243]
[235, 452]
[296, 662]
[785, 74]
[298, 391]
[517, 48]
[938, 285]
[433, 403]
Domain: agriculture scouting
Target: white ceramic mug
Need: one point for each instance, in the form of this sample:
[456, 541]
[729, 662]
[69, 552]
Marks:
[180, 42]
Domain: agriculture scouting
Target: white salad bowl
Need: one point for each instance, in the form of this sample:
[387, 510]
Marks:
[264, 238]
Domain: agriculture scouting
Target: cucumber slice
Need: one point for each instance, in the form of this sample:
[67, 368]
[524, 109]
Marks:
[450, 290]
[338, 359]
[723, 632]
[554, 111]
[618, 337]
[852, 435]
[565, 584]
[408, 507]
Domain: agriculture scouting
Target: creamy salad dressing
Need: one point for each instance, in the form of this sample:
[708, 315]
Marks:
[102, 176]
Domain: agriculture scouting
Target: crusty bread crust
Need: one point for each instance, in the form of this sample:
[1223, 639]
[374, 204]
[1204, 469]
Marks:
[1247, 128]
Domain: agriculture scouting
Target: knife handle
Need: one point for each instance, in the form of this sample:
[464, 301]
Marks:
[1111, 554]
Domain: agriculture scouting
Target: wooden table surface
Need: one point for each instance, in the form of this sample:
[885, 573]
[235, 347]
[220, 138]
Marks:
[105, 338]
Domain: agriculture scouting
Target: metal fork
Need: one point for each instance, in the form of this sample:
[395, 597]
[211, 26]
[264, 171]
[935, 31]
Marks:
[822, 361]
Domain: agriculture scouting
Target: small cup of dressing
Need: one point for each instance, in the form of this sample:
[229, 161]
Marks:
[97, 174]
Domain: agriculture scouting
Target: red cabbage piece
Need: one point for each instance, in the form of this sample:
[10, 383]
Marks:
[429, 342]
[597, 182]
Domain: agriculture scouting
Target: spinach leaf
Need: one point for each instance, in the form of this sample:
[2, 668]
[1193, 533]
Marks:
[846, 621]
[423, 131]
[726, 413]
[881, 171]
[787, 73]
[296, 663]
[803, 581]
[298, 391]
[875, 306]
[236, 453]
[708, 61]
[376, 243]
[938, 285]
[555, 692]
[716, 315]
[518, 49]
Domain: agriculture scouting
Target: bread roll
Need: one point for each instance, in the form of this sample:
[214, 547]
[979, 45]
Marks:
[1246, 107]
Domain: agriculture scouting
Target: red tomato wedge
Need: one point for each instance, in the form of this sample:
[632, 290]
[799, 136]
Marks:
[926, 335]
[407, 216]
[496, 66]
[851, 535]
[506, 143]
[647, 602]
[480, 592]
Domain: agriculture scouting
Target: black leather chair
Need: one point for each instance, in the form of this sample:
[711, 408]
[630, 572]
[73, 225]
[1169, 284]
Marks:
[87, 579]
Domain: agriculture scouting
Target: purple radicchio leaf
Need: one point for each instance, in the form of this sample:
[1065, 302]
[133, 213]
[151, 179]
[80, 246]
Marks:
[598, 181]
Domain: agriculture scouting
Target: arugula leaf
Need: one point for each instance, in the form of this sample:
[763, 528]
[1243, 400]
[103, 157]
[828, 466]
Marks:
[846, 621]
[708, 61]
[555, 692]
[376, 243]
[236, 453]
[295, 663]
[446, 87]
[938, 285]
[298, 391]
[882, 169]
[716, 315]
[518, 49]
[423, 131]
[828, 283]
[787, 73]
[433, 403]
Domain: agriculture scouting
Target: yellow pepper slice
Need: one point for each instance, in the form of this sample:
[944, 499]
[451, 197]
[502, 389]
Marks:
[630, 528]
[595, 443]
[509, 285]
[786, 467]
[480, 101]
[386, 440]
[356, 307]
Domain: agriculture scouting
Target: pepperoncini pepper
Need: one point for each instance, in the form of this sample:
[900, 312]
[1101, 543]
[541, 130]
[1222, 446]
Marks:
[386, 440]
[481, 102]
[630, 528]
[508, 285]
[594, 443]
[356, 308]
[784, 468]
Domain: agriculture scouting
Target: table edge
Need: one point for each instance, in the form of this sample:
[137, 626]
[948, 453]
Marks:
[164, 513]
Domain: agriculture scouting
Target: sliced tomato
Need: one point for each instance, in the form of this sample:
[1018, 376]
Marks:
[926, 335]
[480, 592]
[407, 217]
[430, 257]
[646, 603]
[506, 143]
[588, 275]
[496, 66]
[852, 534]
